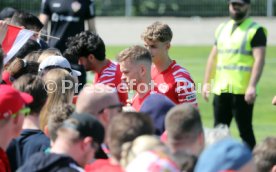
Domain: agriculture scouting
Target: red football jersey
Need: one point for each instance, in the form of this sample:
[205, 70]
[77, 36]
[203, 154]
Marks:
[176, 83]
[111, 75]
[137, 102]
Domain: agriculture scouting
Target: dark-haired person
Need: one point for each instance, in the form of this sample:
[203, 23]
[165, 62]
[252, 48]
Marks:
[30, 22]
[89, 48]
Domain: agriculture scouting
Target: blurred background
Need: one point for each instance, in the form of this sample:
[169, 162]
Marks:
[177, 8]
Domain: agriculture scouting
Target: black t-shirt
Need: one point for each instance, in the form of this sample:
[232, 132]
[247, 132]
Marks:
[67, 18]
[259, 38]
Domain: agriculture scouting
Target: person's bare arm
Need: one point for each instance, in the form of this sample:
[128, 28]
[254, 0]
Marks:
[91, 25]
[209, 71]
[3, 30]
[259, 56]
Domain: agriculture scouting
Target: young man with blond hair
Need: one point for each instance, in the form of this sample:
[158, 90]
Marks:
[135, 65]
[176, 81]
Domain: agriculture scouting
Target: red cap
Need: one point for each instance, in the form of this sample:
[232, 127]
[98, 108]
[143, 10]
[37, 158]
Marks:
[12, 100]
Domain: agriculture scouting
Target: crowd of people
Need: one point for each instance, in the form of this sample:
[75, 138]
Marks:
[52, 120]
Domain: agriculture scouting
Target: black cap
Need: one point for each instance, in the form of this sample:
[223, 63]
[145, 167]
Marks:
[240, 1]
[87, 125]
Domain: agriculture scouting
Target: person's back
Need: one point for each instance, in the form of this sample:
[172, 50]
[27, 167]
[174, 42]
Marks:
[77, 140]
[31, 139]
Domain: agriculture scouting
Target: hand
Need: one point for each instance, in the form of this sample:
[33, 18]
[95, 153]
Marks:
[250, 95]
[206, 91]
[274, 100]
[3, 30]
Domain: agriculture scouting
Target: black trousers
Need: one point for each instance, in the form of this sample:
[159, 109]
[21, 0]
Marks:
[227, 106]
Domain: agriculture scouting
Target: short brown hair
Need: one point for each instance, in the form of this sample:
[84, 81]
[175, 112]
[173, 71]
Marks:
[265, 154]
[58, 115]
[134, 54]
[157, 32]
[34, 85]
[125, 127]
[183, 121]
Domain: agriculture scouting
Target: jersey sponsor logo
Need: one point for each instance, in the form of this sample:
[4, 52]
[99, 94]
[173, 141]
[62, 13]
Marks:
[75, 6]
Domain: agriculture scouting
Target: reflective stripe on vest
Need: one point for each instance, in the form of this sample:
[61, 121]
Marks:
[242, 50]
[239, 68]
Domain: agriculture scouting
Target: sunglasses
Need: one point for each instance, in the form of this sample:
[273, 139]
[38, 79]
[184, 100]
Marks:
[24, 111]
[118, 106]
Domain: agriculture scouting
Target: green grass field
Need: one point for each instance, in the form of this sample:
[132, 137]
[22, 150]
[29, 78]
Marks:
[194, 59]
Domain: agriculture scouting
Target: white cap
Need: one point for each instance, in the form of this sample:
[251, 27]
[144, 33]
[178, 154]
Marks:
[57, 61]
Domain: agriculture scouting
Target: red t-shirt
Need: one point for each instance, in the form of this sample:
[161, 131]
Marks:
[111, 75]
[176, 83]
[4, 162]
[103, 165]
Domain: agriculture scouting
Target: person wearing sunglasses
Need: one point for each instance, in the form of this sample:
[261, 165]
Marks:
[101, 101]
[12, 111]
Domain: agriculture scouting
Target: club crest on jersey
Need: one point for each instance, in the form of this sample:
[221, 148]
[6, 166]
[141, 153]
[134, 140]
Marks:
[163, 87]
[75, 6]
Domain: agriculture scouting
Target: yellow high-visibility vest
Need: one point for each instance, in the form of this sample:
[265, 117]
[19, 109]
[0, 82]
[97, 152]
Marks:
[234, 57]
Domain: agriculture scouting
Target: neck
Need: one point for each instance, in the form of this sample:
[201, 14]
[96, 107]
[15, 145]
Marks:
[100, 64]
[145, 87]
[31, 122]
[162, 65]
[5, 142]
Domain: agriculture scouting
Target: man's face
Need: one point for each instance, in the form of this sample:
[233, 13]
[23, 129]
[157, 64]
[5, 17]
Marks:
[130, 74]
[157, 49]
[85, 62]
[238, 11]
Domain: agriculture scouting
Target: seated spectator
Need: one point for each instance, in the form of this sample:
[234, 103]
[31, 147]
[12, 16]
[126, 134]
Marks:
[12, 111]
[77, 141]
[31, 139]
[265, 155]
[226, 155]
[124, 127]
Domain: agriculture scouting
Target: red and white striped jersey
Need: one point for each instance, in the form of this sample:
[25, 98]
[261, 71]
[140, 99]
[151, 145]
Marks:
[176, 83]
[111, 75]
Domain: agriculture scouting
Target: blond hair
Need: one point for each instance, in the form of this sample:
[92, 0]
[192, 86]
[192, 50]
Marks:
[49, 52]
[57, 94]
[134, 54]
[157, 32]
